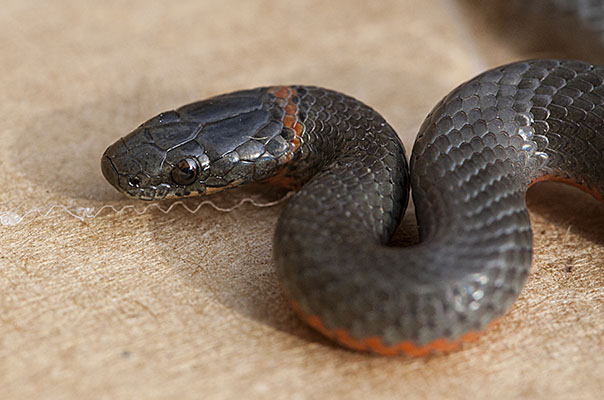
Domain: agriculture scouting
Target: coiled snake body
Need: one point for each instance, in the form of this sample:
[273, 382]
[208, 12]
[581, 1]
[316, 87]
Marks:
[475, 156]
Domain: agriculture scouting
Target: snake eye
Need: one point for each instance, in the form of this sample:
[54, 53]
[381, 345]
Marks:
[185, 171]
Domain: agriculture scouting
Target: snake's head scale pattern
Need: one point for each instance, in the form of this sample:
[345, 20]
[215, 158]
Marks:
[206, 146]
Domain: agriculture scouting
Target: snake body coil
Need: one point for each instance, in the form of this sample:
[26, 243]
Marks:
[475, 156]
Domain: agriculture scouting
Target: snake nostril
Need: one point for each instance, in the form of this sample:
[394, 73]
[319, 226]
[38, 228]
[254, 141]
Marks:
[134, 181]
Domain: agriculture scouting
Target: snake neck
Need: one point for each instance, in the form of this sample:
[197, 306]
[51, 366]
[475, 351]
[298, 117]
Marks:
[348, 150]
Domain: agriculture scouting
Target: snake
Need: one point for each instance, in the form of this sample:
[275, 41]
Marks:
[475, 156]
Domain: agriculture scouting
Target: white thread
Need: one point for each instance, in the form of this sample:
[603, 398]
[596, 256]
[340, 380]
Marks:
[11, 217]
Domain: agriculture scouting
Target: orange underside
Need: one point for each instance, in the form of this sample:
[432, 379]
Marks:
[571, 182]
[374, 344]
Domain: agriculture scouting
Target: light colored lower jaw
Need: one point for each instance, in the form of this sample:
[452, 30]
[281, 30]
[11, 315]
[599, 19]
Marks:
[210, 190]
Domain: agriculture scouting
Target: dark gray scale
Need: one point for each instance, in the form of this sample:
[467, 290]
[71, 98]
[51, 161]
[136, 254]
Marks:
[222, 137]
[222, 107]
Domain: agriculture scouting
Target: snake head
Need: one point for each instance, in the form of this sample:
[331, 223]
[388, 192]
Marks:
[206, 146]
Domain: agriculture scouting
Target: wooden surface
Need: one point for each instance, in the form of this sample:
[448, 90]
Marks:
[187, 305]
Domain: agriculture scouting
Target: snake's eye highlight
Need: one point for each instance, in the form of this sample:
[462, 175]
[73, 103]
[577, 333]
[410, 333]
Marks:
[185, 171]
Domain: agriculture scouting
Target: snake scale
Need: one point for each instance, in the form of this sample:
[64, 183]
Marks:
[474, 158]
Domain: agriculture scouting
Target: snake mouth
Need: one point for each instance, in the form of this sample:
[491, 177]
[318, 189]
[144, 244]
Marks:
[153, 193]
[161, 191]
